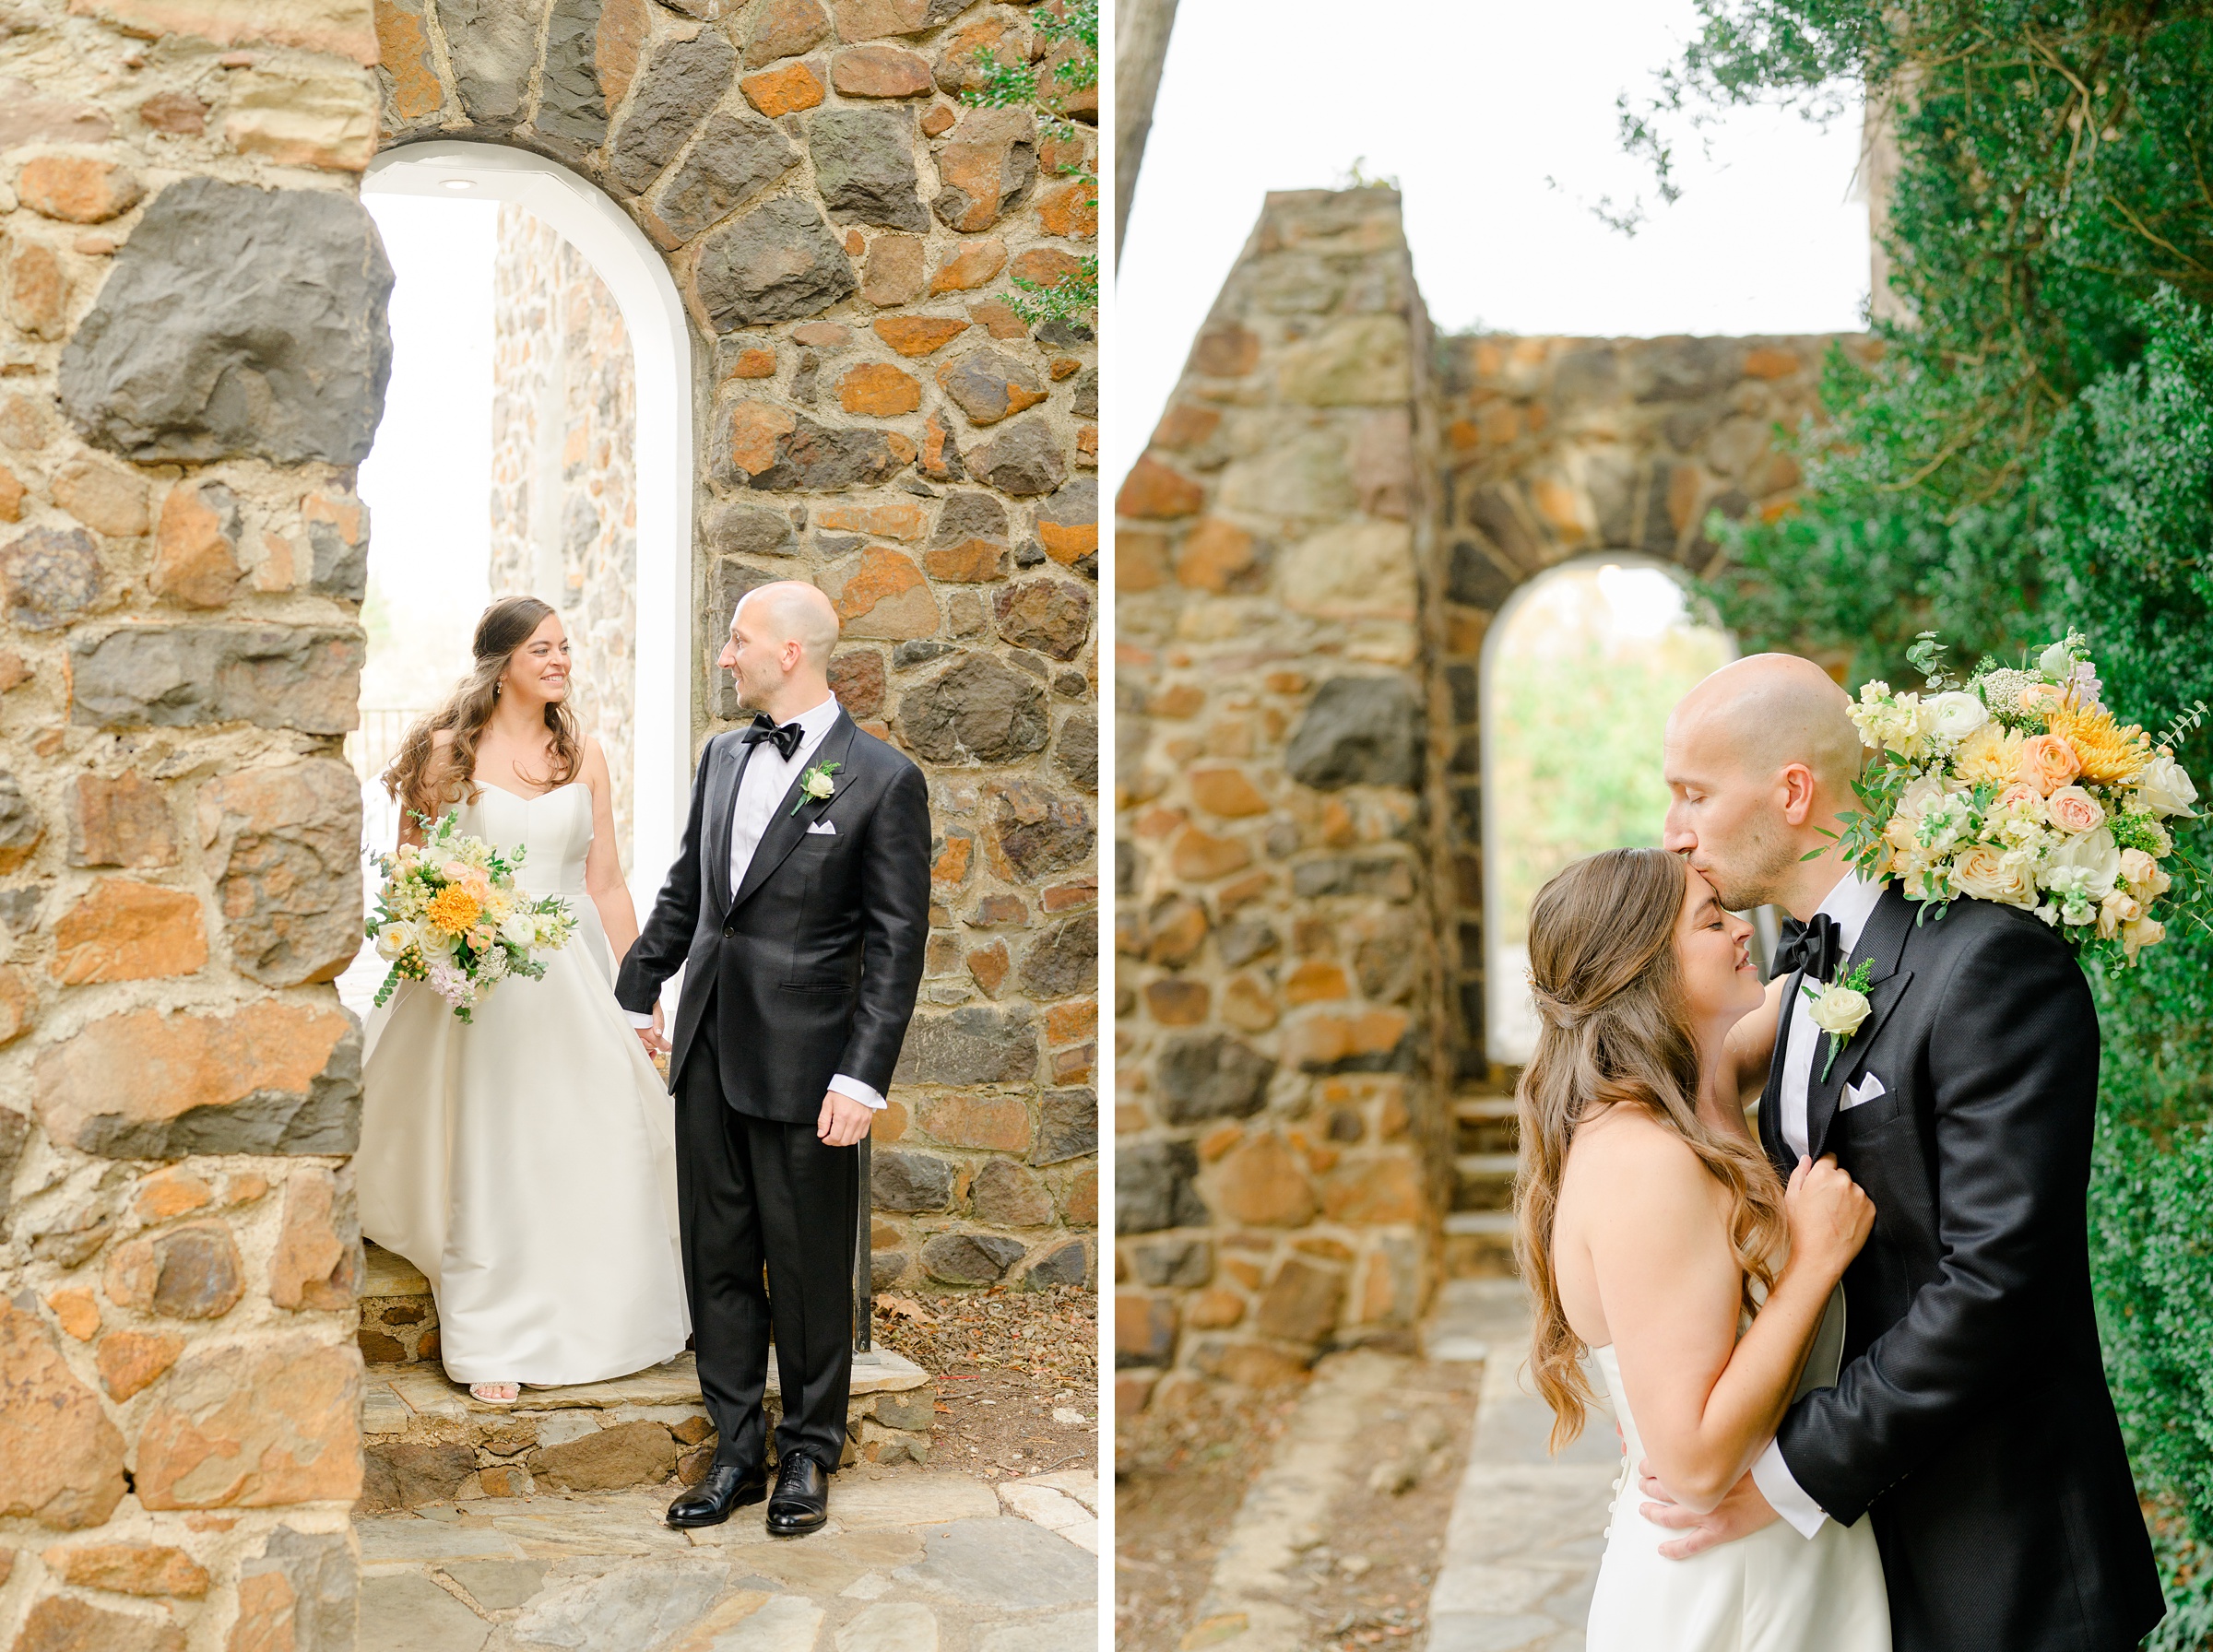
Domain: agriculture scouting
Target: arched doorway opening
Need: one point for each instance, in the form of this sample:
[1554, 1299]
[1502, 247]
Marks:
[1580, 671]
[653, 317]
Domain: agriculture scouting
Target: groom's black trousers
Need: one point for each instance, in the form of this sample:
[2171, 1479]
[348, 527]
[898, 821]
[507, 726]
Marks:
[757, 1195]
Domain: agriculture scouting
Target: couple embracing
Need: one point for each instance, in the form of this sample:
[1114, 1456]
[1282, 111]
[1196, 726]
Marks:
[528, 1161]
[1853, 1355]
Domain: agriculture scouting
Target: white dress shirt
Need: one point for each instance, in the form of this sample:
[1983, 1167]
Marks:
[1849, 904]
[768, 781]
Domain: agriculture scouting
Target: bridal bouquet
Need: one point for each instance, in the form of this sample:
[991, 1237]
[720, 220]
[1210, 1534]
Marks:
[2018, 785]
[449, 914]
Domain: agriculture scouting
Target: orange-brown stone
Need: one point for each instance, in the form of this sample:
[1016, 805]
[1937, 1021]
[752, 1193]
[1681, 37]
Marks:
[60, 1460]
[255, 1425]
[1255, 1365]
[1071, 211]
[754, 364]
[951, 867]
[195, 552]
[1066, 1022]
[76, 1312]
[11, 496]
[77, 189]
[1046, 266]
[1068, 542]
[1226, 352]
[1177, 1003]
[999, 1123]
[38, 293]
[1200, 856]
[879, 72]
[1382, 1190]
[404, 48]
[1322, 1041]
[1316, 981]
[190, 1272]
[1263, 1183]
[1214, 555]
[755, 428]
[879, 389]
[1141, 561]
[168, 1194]
[123, 822]
[1153, 491]
[64, 1624]
[123, 1078]
[1213, 1309]
[105, 497]
[19, 1006]
[131, 1362]
[997, 317]
[885, 595]
[937, 121]
[1227, 793]
[972, 562]
[988, 965]
[127, 931]
[267, 1608]
[972, 265]
[895, 271]
[149, 1569]
[900, 520]
[785, 90]
[1768, 361]
[919, 335]
[315, 1265]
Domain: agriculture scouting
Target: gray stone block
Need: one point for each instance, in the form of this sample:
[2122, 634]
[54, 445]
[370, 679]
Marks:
[681, 80]
[974, 1044]
[902, 1180]
[1358, 731]
[779, 262]
[864, 166]
[237, 321]
[1211, 1075]
[570, 101]
[1153, 1187]
[736, 157]
[977, 710]
[179, 676]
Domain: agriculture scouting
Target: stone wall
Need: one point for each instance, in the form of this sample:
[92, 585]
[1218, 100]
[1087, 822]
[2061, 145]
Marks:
[1308, 557]
[1277, 1011]
[875, 416]
[195, 352]
[564, 521]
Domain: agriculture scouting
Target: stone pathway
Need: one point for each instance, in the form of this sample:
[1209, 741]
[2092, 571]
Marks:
[1528, 1529]
[911, 1562]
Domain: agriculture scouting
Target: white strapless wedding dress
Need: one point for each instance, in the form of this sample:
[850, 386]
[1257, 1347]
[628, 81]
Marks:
[1774, 1591]
[525, 1162]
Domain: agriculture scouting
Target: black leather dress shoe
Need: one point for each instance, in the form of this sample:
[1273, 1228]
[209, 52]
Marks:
[726, 1487]
[801, 1501]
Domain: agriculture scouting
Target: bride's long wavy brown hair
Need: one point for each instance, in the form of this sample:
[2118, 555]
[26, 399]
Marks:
[1615, 1030]
[424, 780]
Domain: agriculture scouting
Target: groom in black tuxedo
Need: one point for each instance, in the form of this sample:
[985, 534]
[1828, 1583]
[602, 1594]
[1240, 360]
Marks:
[799, 906]
[1969, 1418]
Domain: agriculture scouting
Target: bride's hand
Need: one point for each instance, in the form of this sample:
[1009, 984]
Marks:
[1828, 1218]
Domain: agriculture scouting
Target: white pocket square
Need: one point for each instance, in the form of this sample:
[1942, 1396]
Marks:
[821, 828]
[1865, 1091]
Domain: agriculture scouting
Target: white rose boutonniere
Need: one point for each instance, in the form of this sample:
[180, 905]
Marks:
[816, 785]
[1840, 1007]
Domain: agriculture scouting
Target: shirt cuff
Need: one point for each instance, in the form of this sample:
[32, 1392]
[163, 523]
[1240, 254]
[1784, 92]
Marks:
[854, 1090]
[1785, 1494]
[638, 1020]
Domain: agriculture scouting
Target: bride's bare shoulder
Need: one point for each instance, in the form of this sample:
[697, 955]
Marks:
[1627, 1155]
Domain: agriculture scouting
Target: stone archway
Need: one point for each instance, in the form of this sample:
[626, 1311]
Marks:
[1333, 508]
[194, 358]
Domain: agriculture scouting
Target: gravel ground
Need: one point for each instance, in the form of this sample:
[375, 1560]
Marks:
[1017, 1373]
[1181, 1474]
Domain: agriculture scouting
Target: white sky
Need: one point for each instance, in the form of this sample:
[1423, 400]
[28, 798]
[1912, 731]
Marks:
[427, 481]
[1471, 104]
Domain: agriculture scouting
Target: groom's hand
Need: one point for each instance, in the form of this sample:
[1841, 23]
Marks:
[843, 1121]
[1743, 1512]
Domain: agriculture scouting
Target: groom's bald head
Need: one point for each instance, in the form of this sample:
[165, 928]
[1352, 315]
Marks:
[790, 610]
[1759, 758]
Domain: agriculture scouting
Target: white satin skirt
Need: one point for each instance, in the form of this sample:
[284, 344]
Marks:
[525, 1163]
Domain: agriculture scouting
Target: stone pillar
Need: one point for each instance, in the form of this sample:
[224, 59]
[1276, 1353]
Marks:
[563, 477]
[1276, 995]
[195, 353]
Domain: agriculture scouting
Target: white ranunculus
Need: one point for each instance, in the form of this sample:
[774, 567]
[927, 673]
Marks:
[1839, 1009]
[520, 930]
[1954, 716]
[2164, 788]
[2093, 855]
[395, 938]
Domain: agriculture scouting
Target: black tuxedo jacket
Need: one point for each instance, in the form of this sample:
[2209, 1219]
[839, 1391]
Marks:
[1972, 1415]
[810, 967]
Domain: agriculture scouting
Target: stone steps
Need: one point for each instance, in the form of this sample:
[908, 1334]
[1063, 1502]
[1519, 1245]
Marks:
[1479, 1229]
[426, 1440]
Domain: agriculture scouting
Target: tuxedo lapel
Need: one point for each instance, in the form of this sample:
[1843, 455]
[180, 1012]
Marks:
[724, 771]
[1771, 1099]
[1881, 944]
[792, 817]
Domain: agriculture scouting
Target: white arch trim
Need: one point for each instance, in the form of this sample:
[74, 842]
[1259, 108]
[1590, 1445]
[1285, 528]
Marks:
[660, 341]
[1498, 995]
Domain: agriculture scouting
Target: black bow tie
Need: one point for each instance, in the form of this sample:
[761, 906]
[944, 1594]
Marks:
[786, 736]
[1817, 947]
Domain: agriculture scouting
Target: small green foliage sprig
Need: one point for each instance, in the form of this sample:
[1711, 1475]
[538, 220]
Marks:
[1075, 294]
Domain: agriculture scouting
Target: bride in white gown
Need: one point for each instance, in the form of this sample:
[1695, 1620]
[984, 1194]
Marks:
[525, 1161]
[1655, 1236]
